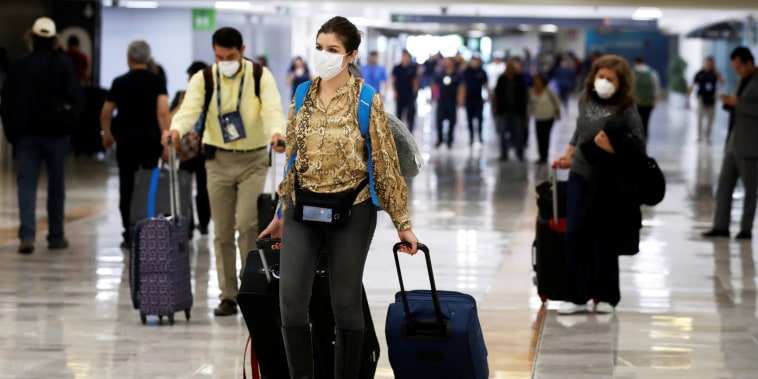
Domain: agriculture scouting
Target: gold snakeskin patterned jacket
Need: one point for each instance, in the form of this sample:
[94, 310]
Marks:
[331, 155]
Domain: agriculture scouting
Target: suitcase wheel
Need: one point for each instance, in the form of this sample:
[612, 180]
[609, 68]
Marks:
[543, 298]
[143, 318]
[171, 319]
[187, 314]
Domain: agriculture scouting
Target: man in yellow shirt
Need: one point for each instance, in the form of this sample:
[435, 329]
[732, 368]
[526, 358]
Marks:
[238, 128]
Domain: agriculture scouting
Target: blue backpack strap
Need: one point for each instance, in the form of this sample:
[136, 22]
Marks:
[300, 92]
[364, 117]
[153, 192]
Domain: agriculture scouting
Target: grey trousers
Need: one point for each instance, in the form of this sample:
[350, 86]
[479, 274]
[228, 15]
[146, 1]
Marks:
[733, 168]
[346, 248]
[704, 112]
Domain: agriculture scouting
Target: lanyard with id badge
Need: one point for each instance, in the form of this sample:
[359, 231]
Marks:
[232, 127]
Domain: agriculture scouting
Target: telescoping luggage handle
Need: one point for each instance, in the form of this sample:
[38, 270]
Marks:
[441, 327]
[266, 244]
[173, 180]
[272, 167]
[554, 183]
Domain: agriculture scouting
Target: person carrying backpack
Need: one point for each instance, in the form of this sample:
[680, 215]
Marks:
[243, 116]
[646, 88]
[42, 99]
[335, 179]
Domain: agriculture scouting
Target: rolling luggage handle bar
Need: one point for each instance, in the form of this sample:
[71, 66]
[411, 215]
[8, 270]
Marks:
[442, 327]
[265, 244]
[554, 184]
[173, 180]
[270, 273]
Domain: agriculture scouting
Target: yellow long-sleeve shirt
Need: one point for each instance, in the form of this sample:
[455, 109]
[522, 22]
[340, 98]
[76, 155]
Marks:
[262, 119]
[332, 157]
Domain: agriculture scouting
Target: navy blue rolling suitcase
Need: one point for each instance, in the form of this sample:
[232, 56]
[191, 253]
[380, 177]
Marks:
[434, 334]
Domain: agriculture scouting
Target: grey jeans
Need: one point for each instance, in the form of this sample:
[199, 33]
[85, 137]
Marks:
[733, 168]
[346, 248]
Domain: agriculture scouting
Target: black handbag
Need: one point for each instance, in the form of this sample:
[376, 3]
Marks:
[653, 187]
[328, 208]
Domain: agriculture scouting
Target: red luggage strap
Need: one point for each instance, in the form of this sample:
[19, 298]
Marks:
[254, 368]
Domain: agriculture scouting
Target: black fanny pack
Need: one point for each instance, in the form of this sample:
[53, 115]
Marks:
[328, 208]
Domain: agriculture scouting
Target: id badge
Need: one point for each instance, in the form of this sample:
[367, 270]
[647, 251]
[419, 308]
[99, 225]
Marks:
[232, 128]
[317, 214]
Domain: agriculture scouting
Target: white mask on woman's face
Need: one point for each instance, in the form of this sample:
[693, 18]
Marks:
[228, 68]
[328, 65]
[604, 88]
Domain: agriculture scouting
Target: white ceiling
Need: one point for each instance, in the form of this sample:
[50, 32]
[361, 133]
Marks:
[679, 16]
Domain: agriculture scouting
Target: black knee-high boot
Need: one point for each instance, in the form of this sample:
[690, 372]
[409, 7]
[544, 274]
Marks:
[347, 353]
[297, 344]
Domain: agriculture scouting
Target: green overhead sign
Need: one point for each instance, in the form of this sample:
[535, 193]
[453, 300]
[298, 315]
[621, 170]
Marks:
[203, 19]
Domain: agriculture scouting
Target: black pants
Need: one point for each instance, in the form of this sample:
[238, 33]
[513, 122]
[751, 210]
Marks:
[446, 110]
[544, 127]
[592, 268]
[645, 116]
[474, 111]
[130, 158]
[406, 106]
[346, 248]
[196, 166]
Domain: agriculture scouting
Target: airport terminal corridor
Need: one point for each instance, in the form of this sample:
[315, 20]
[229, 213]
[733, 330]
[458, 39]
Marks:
[688, 307]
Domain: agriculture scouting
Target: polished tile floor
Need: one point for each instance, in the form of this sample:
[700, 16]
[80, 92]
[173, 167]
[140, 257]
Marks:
[688, 305]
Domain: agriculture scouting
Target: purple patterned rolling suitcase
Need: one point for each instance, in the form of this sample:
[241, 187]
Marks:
[159, 269]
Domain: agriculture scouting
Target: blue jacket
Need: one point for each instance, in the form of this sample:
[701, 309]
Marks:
[24, 86]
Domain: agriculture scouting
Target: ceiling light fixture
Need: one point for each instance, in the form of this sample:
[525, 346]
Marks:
[647, 14]
[235, 5]
[549, 28]
[140, 4]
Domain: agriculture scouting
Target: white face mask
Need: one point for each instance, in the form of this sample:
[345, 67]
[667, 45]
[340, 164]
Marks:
[228, 68]
[327, 65]
[604, 88]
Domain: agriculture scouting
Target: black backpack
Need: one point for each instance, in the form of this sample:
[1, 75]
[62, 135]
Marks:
[55, 115]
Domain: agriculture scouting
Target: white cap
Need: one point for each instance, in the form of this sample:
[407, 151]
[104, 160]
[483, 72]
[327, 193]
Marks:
[44, 27]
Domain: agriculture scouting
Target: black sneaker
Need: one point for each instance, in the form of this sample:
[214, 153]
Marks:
[716, 233]
[744, 235]
[203, 230]
[58, 244]
[26, 247]
[226, 308]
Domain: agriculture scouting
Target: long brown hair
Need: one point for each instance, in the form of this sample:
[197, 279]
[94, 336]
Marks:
[624, 95]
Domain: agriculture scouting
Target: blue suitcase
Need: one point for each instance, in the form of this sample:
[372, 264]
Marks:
[434, 334]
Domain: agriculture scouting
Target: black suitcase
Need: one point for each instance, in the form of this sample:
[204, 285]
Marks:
[151, 194]
[258, 299]
[548, 256]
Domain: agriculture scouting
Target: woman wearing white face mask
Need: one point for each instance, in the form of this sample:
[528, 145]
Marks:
[608, 135]
[331, 161]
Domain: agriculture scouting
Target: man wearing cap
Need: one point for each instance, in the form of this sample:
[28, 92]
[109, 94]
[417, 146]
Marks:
[38, 85]
[238, 128]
